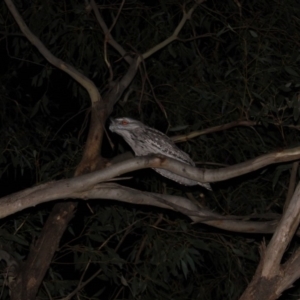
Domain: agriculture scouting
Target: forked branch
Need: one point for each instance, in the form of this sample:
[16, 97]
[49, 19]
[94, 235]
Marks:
[271, 273]
[67, 188]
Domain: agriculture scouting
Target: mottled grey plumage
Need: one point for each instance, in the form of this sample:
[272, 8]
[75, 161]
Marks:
[145, 140]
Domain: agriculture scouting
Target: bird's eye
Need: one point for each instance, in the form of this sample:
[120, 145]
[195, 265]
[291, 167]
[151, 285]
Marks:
[124, 122]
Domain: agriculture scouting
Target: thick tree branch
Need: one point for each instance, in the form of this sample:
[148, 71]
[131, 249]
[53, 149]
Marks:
[270, 271]
[79, 187]
[64, 188]
[282, 236]
[205, 216]
[203, 175]
[125, 194]
[41, 253]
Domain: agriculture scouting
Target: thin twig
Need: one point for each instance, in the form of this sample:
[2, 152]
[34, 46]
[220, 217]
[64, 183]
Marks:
[79, 77]
[174, 36]
[110, 40]
[193, 134]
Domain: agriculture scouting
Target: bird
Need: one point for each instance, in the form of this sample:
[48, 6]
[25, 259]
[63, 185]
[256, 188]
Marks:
[145, 140]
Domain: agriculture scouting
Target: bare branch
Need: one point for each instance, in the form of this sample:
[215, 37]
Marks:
[205, 216]
[120, 86]
[282, 236]
[81, 187]
[116, 18]
[67, 188]
[115, 45]
[79, 77]
[270, 271]
[107, 34]
[193, 134]
[186, 16]
[109, 37]
[246, 123]
[125, 194]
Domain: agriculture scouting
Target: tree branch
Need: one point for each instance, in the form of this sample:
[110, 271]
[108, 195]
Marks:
[42, 251]
[119, 87]
[270, 271]
[66, 187]
[85, 187]
[79, 77]
[193, 134]
[186, 16]
[246, 123]
[108, 35]
[282, 236]
[205, 216]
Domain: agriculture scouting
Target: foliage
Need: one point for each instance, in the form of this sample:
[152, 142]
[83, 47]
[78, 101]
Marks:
[245, 66]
